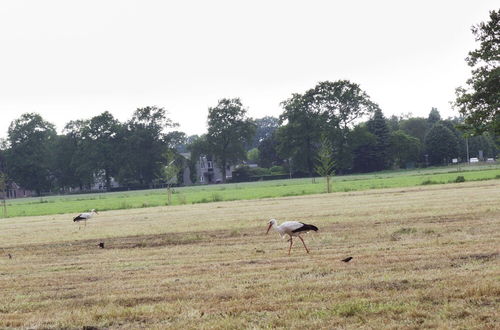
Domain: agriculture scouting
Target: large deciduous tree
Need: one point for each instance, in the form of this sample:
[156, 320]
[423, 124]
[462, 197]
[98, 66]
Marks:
[299, 135]
[340, 104]
[268, 154]
[264, 129]
[229, 130]
[74, 166]
[330, 109]
[101, 146]
[29, 159]
[441, 145]
[479, 102]
[146, 144]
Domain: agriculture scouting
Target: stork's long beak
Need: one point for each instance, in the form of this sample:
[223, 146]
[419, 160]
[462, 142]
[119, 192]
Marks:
[269, 228]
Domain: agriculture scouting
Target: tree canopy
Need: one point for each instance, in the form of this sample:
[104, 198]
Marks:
[30, 155]
[479, 101]
[229, 129]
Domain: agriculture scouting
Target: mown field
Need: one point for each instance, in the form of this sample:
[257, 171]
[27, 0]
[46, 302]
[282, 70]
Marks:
[243, 191]
[423, 257]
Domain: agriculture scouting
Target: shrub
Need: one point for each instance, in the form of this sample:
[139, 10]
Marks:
[259, 171]
[460, 178]
[241, 173]
[217, 197]
[277, 170]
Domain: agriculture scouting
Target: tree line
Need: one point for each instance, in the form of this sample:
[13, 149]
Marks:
[137, 152]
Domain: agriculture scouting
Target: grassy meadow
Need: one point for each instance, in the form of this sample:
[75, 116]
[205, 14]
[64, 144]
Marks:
[423, 257]
[243, 191]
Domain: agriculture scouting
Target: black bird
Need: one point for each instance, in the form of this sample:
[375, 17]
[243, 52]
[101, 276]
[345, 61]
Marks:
[10, 256]
[101, 245]
[347, 259]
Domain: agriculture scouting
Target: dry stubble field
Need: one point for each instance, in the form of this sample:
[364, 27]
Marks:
[424, 257]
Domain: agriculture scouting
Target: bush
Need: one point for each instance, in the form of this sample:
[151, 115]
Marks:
[217, 197]
[241, 174]
[259, 171]
[277, 170]
[460, 178]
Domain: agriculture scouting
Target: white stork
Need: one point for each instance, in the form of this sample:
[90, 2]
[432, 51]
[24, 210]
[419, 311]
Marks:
[84, 216]
[291, 228]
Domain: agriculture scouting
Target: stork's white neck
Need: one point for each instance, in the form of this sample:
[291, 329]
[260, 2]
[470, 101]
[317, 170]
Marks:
[274, 225]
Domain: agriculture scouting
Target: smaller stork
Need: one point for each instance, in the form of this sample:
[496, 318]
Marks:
[291, 228]
[84, 216]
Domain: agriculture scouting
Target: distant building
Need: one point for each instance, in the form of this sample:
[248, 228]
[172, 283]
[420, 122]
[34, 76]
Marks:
[206, 169]
[15, 191]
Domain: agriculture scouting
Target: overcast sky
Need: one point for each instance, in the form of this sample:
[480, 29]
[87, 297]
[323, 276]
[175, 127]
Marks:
[75, 59]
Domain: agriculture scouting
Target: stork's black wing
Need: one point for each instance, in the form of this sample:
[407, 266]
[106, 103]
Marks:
[305, 227]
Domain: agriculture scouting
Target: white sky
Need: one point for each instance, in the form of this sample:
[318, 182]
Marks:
[75, 59]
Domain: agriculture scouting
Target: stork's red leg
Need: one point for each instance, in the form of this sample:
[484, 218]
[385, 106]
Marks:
[304, 244]
[291, 242]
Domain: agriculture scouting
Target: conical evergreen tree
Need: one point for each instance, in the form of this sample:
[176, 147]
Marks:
[434, 117]
[380, 153]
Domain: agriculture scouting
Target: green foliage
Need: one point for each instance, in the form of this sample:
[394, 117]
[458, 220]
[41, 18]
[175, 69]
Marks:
[460, 178]
[100, 146]
[441, 145]
[253, 155]
[268, 153]
[171, 170]
[362, 144]
[259, 171]
[265, 128]
[228, 131]
[416, 127]
[479, 102]
[404, 148]
[340, 104]
[241, 173]
[329, 109]
[145, 145]
[393, 123]
[380, 153]
[484, 143]
[325, 163]
[434, 116]
[30, 157]
[428, 182]
[299, 133]
[277, 170]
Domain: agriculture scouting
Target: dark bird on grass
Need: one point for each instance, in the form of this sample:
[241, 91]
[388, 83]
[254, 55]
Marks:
[84, 216]
[291, 228]
[347, 259]
[10, 255]
[101, 245]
